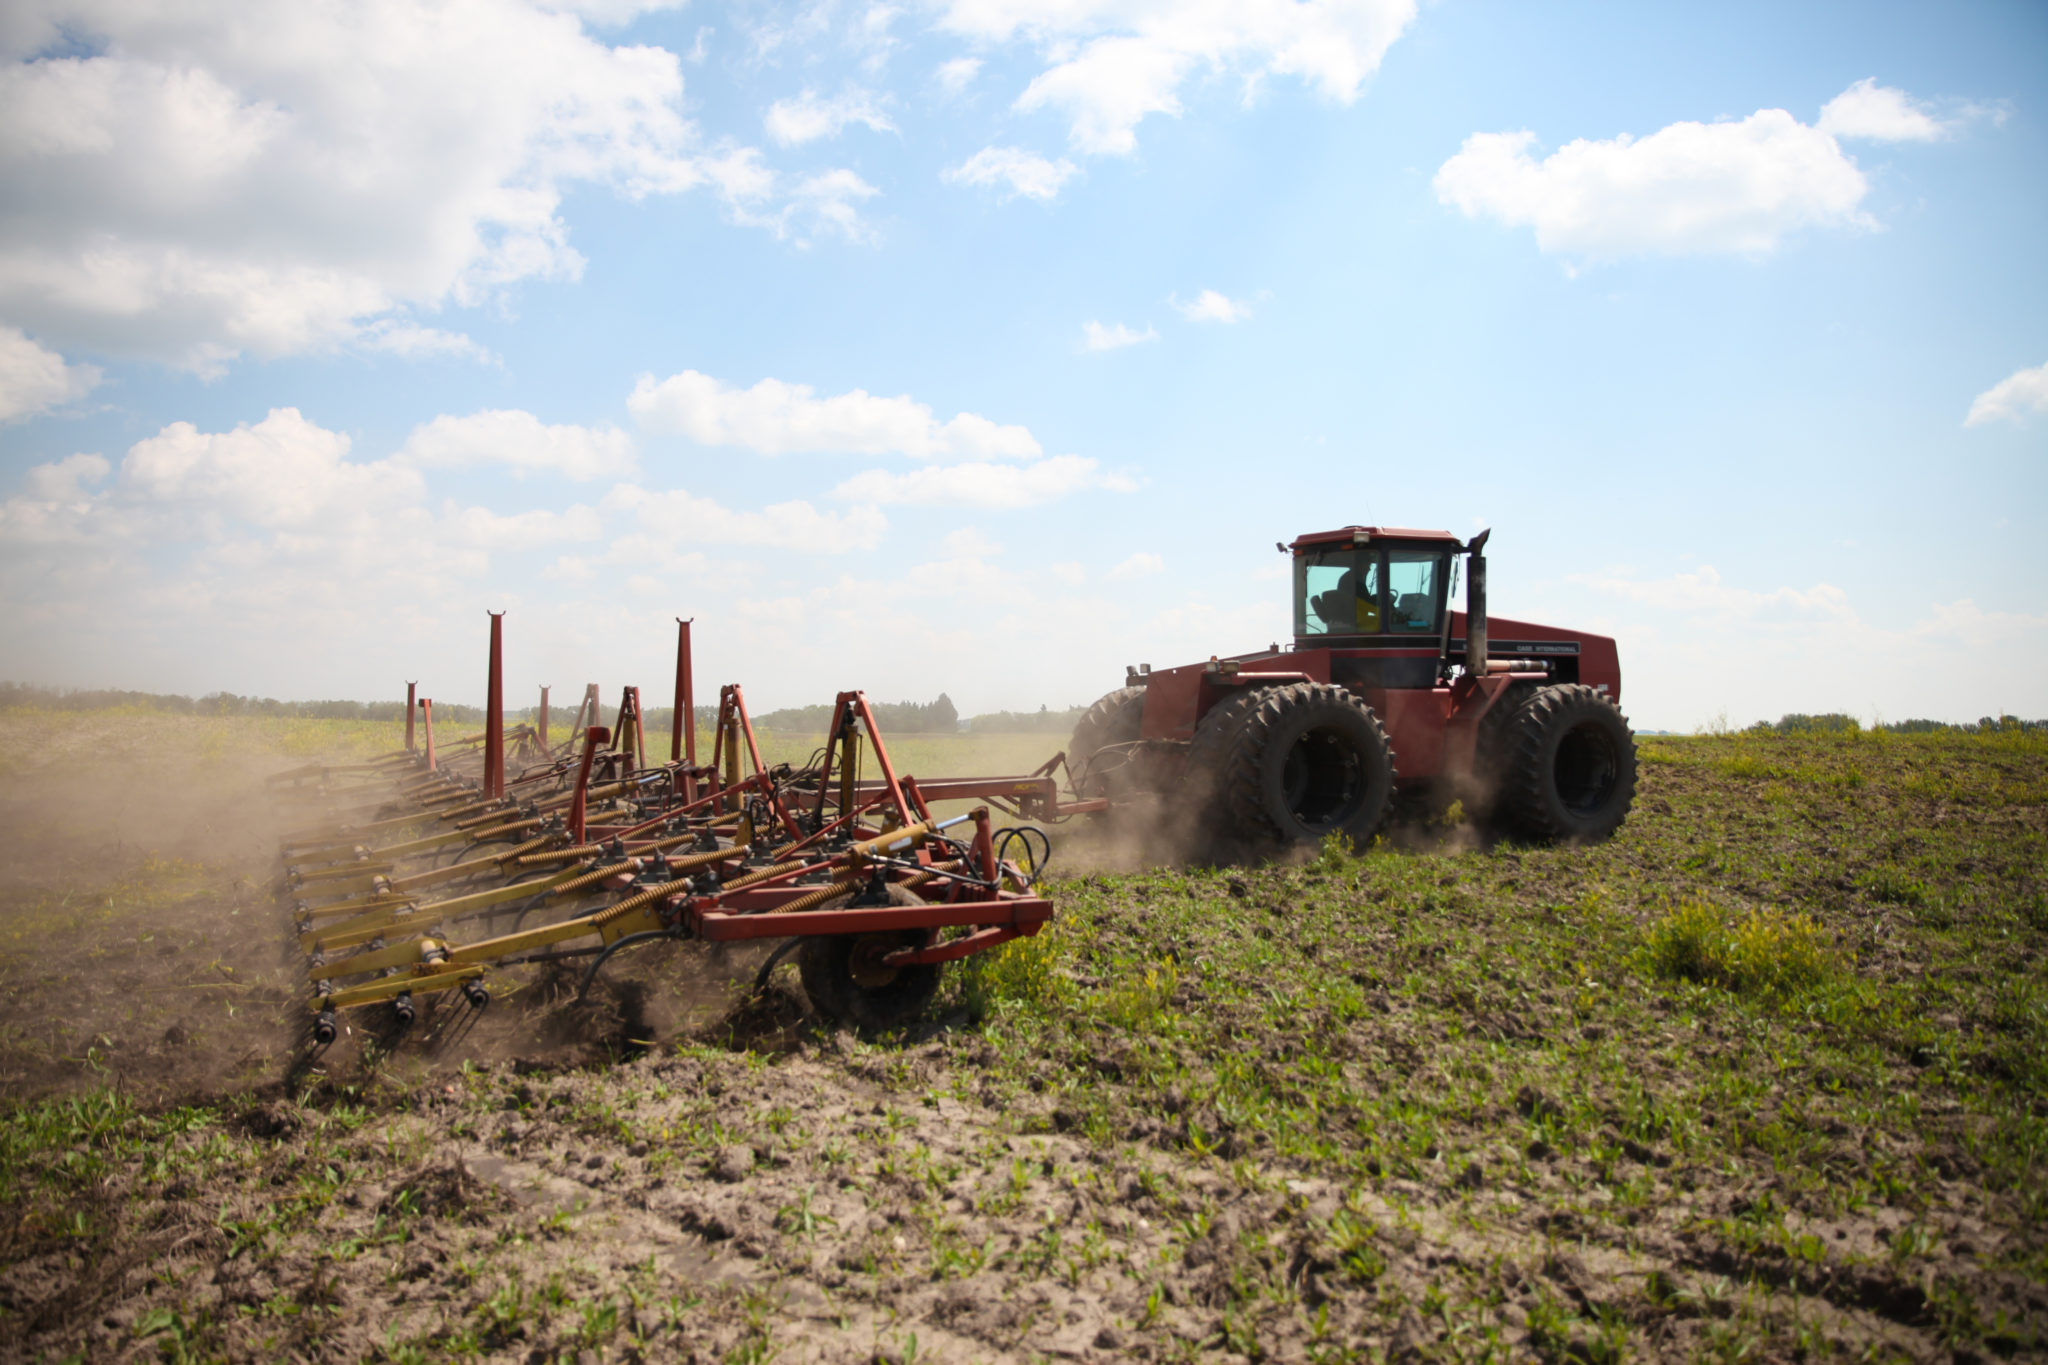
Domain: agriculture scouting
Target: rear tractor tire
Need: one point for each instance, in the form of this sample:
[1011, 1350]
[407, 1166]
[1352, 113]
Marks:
[1114, 719]
[1567, 766]
[1294, 764]
[846, 979]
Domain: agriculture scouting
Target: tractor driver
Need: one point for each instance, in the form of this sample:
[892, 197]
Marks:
[1329, 605]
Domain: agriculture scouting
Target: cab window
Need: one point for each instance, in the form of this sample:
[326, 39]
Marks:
[1337, 592]
[1415, 581]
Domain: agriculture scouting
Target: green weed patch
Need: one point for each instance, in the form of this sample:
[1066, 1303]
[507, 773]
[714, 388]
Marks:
[1762, 951]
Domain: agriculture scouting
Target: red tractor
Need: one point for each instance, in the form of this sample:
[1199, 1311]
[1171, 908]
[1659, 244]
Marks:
[1385, 688]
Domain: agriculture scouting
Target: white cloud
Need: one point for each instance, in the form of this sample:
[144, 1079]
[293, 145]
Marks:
[520, 442]
[610, 12]
[679, 517]
[1096, 337]
[1880, 114]
[415, 342]
[284, 472]
[777, 418]
[34, 379]
[1693, 644]
[956, 75]
[279, 499]
[219, 177]
[65, 479]
[2011, 398]
[831, 199]
[811, 116]
[814, 206]
[1210, 306]
[1689, 188]
[1143, 564]
[1025, 173]
[268, 557]
[487, 530]
[983, 485]
[969, 542]
[1115, 61]
[1701, 590]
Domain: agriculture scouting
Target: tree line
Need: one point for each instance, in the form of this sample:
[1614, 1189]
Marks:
[1836, 723]
[938, 716]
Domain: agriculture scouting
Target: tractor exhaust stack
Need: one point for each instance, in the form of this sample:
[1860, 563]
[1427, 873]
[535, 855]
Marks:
[1475, 606]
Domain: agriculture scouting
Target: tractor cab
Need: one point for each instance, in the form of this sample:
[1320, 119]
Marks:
[1366, 585]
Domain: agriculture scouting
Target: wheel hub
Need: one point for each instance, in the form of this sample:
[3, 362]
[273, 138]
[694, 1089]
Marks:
[865, 965]
[1587, 768]
[1323, 779]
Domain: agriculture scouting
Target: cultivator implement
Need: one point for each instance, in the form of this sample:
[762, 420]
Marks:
[437, 871]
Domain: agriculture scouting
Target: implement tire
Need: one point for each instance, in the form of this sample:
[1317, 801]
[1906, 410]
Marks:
[1114, 719]
[1568, 766]
[1302, 762]
[846, 981]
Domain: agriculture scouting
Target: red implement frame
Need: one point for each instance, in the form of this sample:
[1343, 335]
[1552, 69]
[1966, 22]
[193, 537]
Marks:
[494, 713]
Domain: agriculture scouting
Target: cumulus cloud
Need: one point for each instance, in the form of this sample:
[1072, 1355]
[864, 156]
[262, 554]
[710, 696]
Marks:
[280, 500]
[1879, 113]
[1023, 172]
[680, 517]
[284, 472]
[1702, 590]
[1701, 643]
[1210, 306]
[192, 182]
[983, 484]
[778, 418]
[65, 480]
[520, 442]
[34, 378]
[487, 530]
[1143, 564]
[1115, 61]
[801, 211]
[955, 76]
[1689, 188]
[810, 116]
[1096, 337]
[2011, 398]
[414, 342]
[832, 200]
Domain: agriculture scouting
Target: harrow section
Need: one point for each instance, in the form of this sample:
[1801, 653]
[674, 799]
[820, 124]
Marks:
[444, 863]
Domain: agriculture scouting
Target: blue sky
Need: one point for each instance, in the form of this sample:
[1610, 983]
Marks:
[986, 346]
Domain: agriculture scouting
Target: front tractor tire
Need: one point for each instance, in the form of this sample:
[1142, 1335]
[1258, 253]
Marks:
[1114, 719]
[1567, 766]
[1295, 764]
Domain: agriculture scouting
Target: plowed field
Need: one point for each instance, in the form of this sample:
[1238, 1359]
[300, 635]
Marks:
[1765, 1077]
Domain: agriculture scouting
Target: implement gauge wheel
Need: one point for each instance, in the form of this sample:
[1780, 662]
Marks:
[1568, 766]
[1301, 762]
[846, 979]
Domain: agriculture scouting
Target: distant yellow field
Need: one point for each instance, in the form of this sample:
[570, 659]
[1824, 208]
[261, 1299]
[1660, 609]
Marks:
[31, 738]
